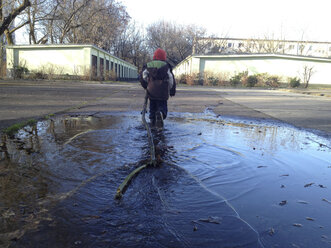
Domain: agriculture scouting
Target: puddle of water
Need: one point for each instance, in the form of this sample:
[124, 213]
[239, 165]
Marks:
[222, 183]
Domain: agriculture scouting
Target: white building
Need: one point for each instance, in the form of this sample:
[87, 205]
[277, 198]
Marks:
[76, 60]
[227, 65]
[250, 46]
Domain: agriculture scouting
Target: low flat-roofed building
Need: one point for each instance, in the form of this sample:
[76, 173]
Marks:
[76, 60]
[227, 65]
[250, 46]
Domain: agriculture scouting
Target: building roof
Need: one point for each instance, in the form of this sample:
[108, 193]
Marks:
[258, 39]
[262, 55]
[256, 55]
[36, 46]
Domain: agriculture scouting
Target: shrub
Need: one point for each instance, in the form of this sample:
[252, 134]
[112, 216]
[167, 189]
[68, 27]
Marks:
[210, 79]
[264, 79]
[52, 71]
[251, 81]
[86, 74]
[235, 80]
[189, 79]
[294, 82]
[38, 74]
[3, 69]
[273, 81]
[192, 79]
[238, 78]
[19, 71]
[223, 78]
[181, 79]
[113, 75]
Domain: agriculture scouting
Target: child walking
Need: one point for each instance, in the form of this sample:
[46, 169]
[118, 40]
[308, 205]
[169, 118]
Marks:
[159, 81]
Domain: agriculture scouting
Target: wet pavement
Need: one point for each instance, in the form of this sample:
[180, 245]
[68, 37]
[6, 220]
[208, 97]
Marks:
[221, 182]
[24, 100]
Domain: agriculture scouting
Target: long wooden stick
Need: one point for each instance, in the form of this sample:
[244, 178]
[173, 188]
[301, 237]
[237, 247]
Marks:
[122, 187]
[149, 133]
[124, 184]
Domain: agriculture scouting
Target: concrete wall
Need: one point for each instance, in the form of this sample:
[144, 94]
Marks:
[281, 65]
[258, 46]
[67, 59]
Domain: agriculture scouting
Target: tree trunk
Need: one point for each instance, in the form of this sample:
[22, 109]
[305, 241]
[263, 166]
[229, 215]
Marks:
[10, 18]
[9, 37]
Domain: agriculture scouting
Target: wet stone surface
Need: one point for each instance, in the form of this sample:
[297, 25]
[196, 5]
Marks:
[221, 183]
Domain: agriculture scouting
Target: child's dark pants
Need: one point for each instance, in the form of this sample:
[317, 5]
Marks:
[157, 105]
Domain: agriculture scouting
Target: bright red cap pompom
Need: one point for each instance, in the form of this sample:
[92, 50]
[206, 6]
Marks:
[160, 54]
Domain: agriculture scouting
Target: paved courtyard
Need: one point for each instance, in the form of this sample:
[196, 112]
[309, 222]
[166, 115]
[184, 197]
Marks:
[23, 100]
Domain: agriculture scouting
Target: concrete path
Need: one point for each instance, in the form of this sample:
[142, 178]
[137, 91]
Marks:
[302, 110]
[22, 100]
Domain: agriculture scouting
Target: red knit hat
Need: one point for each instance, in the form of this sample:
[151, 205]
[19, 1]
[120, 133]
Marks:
[160, 54]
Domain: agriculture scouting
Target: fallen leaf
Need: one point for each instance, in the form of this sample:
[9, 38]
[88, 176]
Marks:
[308, 218]
[214, 220]
[282, 203]
[91, 217]
[303, 202]
[297, 224]
[271, 231]
[322, 186]
[326, 200]
[284, 175]
[308, 185]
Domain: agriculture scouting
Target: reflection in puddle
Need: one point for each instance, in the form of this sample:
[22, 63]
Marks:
[58, 180]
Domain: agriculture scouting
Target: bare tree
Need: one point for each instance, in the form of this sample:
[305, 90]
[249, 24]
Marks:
[38, 13]
[96, 22]
[177, 40]
[306, 74]
[131, 45]
[66, 17]
[14, 9]
[109, 20]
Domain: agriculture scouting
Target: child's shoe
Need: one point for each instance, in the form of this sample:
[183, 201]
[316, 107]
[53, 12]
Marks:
[158, 119]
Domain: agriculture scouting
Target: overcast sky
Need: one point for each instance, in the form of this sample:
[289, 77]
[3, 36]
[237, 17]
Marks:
[289, 19]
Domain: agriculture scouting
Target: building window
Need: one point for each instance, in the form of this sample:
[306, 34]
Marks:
[102, 66]
[240, 45]
[229, 44]
[94, 66]
[329, 49]
[280, 46]
[291, 47]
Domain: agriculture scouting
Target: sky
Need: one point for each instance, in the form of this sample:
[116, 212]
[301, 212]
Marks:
[280, 19]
